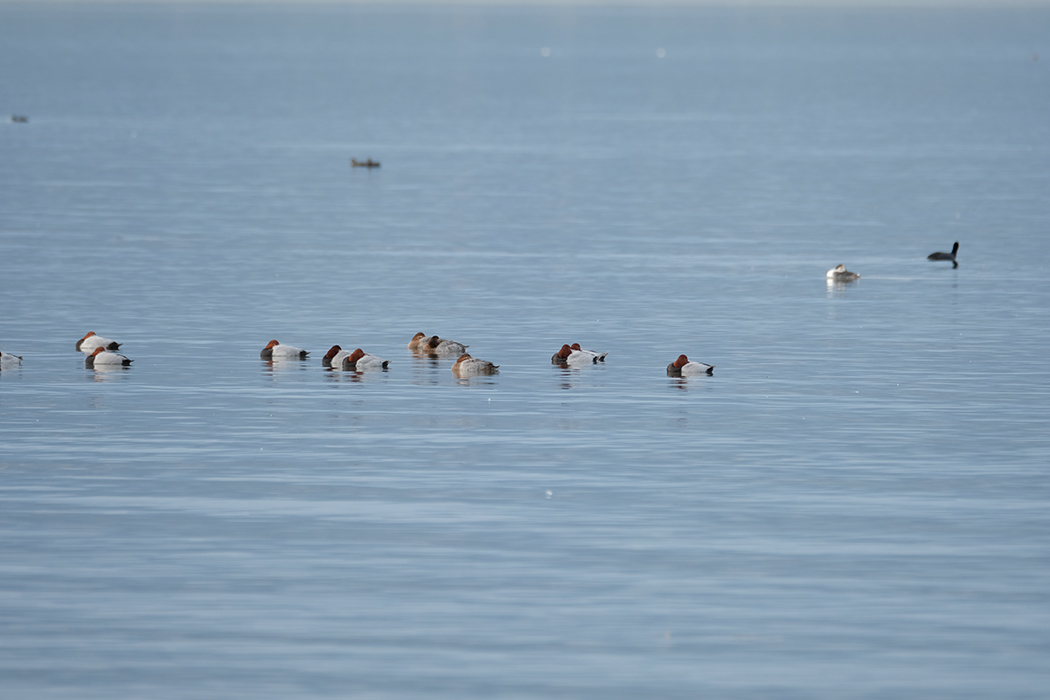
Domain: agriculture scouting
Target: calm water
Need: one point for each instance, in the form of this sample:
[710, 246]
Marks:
[854, 505]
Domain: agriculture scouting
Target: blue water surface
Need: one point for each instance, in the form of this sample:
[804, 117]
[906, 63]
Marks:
[853, 506]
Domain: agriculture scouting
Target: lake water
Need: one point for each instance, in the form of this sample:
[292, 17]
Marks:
[853, 506]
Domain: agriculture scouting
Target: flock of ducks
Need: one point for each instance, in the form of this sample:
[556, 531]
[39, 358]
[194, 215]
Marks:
[102, 352]
[360, 361]
[841, 274]
[465, 365]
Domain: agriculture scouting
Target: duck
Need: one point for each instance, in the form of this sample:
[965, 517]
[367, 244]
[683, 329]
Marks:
[598, 356]
[334, 357]
[434, 345]
[276, 351]
[573, 355]
[442, 347]
[841, 274]
[89, 342]
[562, 356]
[946, 256]
[419, 340]
[103, 357]
[361, 361]
[9, 360]
[683, 367]
[467, 366]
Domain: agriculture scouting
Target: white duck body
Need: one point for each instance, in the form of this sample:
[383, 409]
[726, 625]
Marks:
[106, 358]
[595, 356]
[841, 274]
[467, 366]
[89, 342]
[9, 360]
[579, 357]
[361, 361]
[276, 351]
[692, 369]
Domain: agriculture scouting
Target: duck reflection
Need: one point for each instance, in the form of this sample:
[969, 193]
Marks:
[837, 289]
[475, 380]
[278, 368]
[680, 383]
[693, 383]
[108, 373]
[569, 376]
[429, 370]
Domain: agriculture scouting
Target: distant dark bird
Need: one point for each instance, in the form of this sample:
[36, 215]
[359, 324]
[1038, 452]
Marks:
[354, 163]
[19, 118]
[946, 256]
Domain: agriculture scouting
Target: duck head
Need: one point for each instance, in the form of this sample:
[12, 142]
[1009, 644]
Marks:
[81, 341]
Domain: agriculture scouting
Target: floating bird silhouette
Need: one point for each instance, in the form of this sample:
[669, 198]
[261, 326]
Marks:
[946, 256]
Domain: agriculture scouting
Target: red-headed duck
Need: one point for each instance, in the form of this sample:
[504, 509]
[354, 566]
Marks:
[103, 357]
[682, 367]
[276, 351]
[467, 366]
[361, 361]
[334, 357]
[841, 274]
[573, 355]
[946, 256]
[89, 342]
[9, 360]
